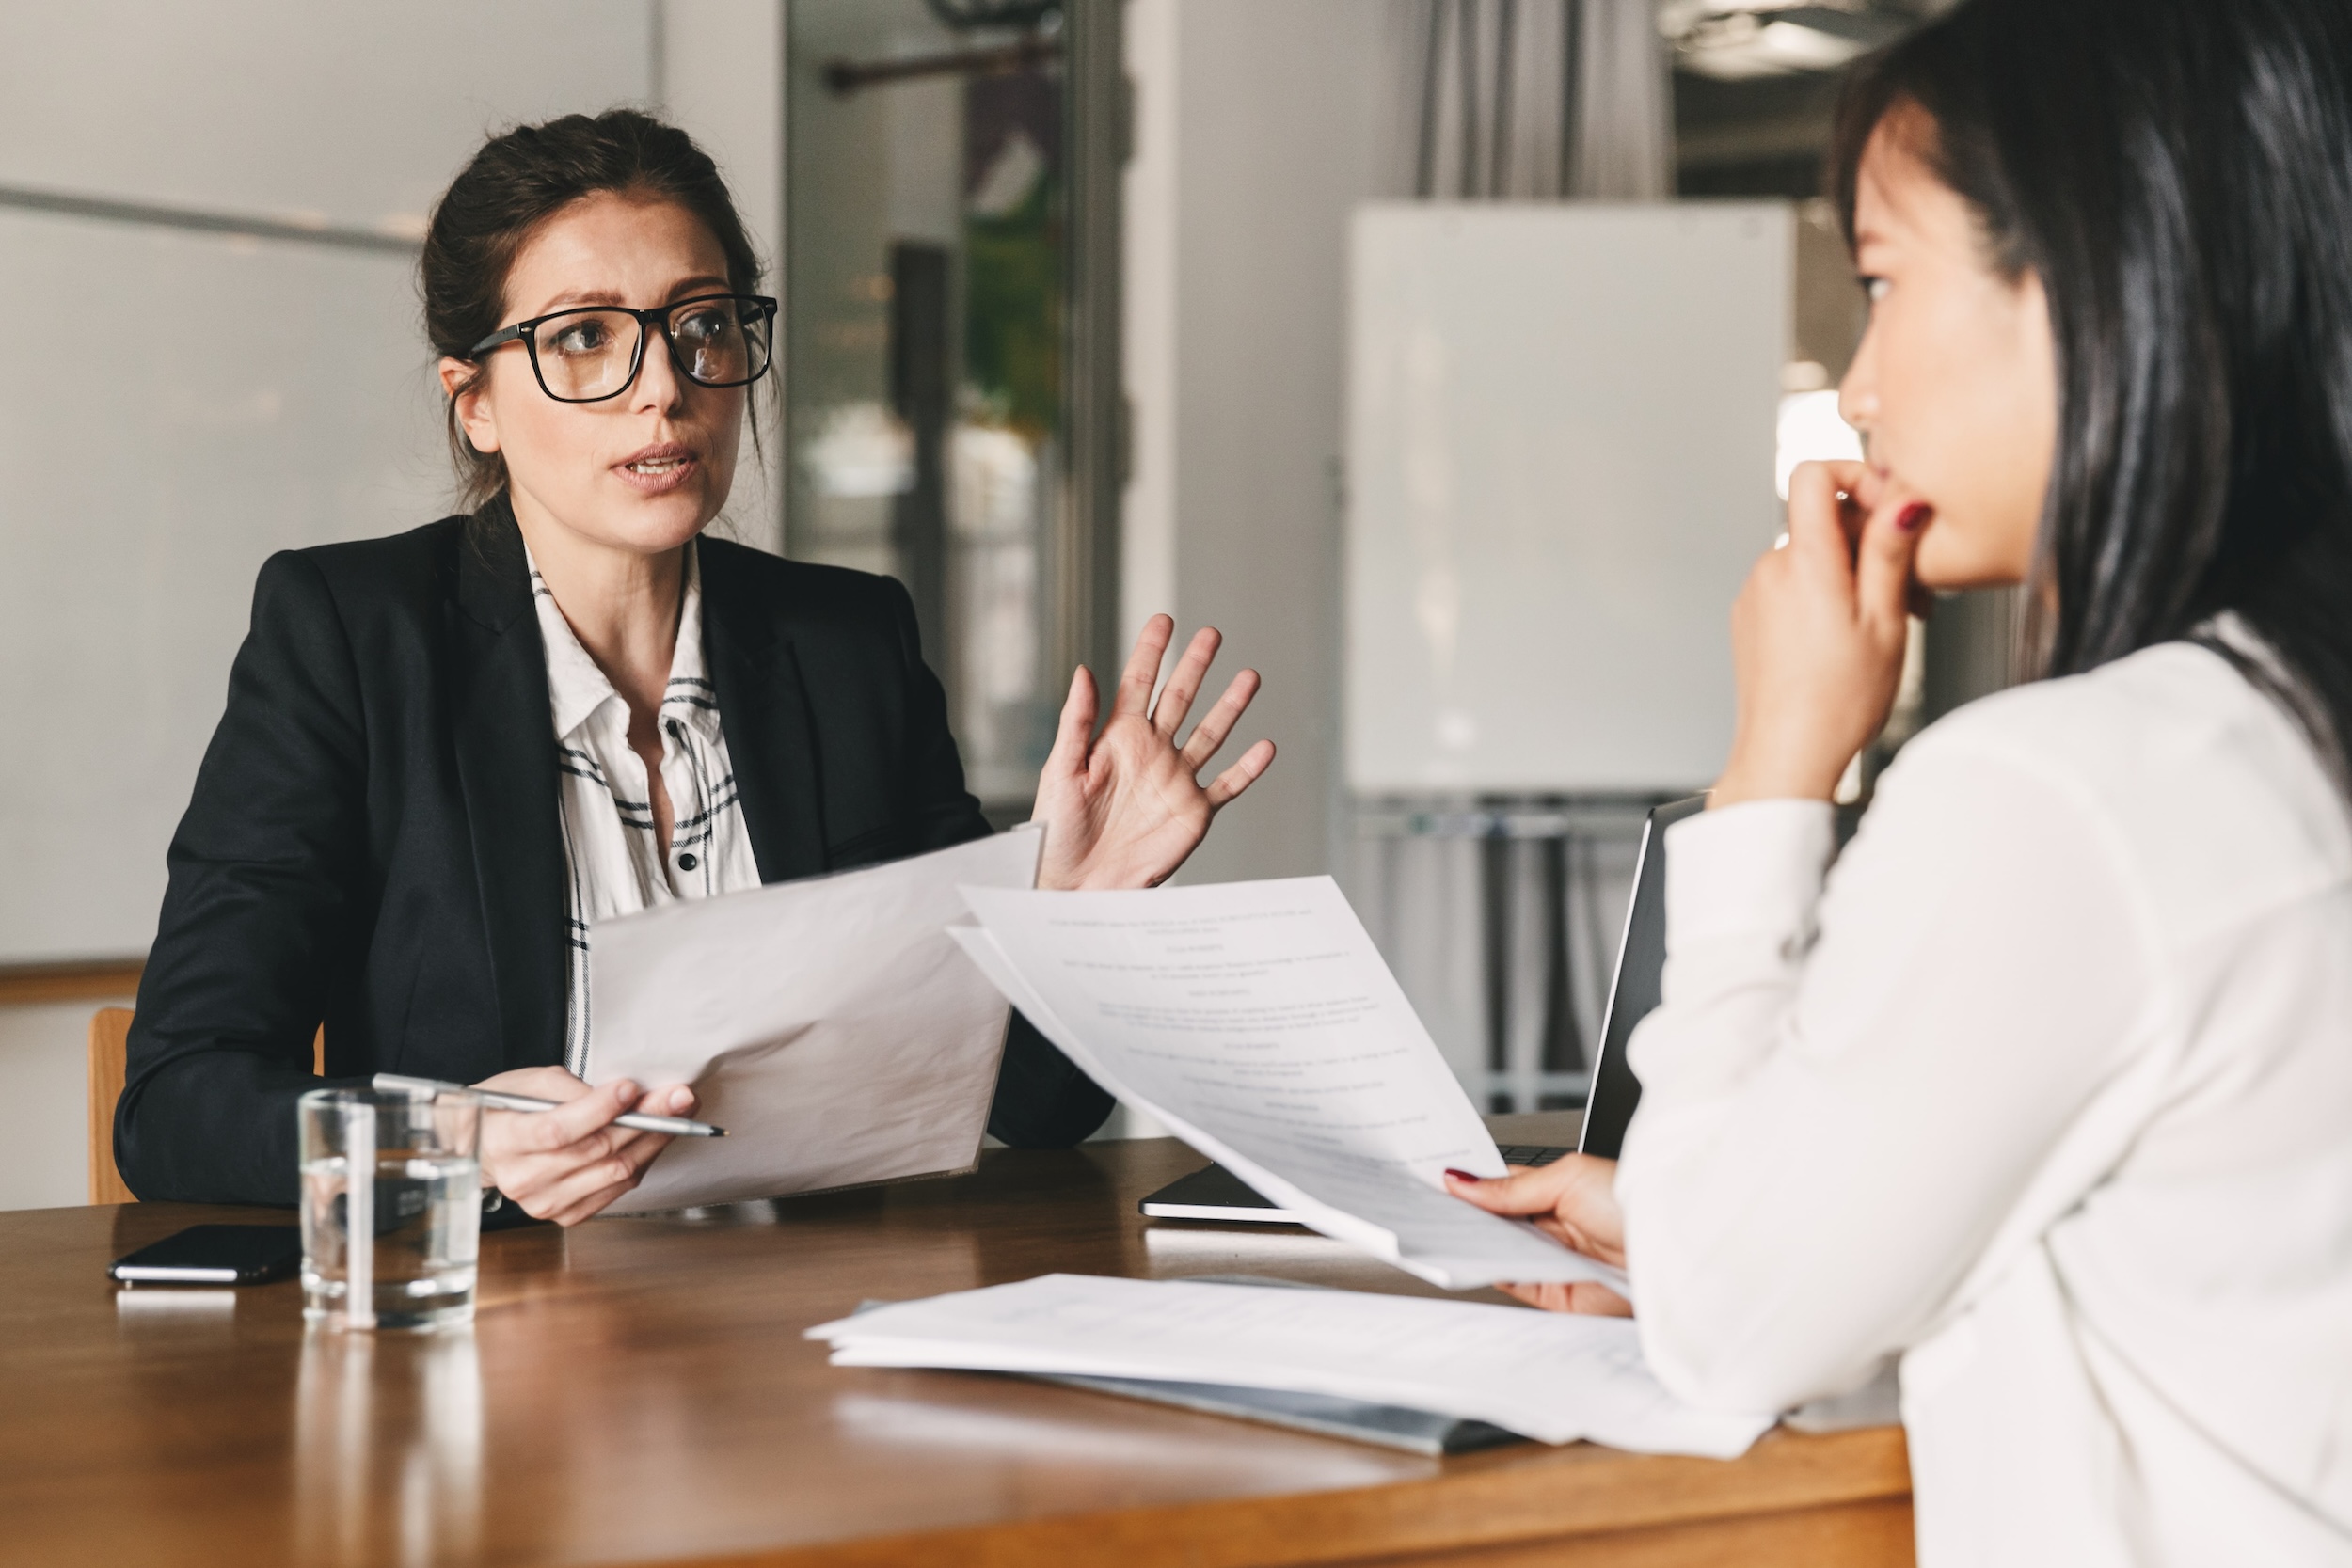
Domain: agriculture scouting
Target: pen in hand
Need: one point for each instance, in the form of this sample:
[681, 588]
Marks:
[678, 1127]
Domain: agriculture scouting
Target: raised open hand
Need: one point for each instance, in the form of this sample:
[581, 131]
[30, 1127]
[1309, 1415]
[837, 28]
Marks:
[1123, 809]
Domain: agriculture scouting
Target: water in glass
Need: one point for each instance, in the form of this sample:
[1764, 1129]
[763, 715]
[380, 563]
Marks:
[428, 1221]
[392, 1209]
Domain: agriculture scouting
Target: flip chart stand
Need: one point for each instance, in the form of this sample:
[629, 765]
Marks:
[1501, 917]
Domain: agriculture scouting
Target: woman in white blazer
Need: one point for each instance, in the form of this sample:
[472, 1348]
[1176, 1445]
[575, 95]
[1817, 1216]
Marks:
[2044, 1089]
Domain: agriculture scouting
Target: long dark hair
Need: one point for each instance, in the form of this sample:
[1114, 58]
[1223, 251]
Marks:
[517, 181]
[2178, 174]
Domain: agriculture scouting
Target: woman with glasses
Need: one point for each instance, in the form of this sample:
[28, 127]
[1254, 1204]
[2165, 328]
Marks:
[448, 753]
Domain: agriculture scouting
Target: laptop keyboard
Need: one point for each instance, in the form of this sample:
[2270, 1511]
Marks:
[1214, 1187]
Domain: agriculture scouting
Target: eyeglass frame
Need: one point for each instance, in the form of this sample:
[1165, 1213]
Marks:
[657, 318]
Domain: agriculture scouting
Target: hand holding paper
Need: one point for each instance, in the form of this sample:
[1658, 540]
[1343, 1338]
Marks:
[828, 1025]
[1575, 1199]
[1258, 1021]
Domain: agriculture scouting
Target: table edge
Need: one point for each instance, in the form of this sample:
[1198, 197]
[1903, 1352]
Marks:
[1489, 1506]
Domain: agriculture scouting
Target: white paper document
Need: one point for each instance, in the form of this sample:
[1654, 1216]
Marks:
[1545, 1375]
[1258, 1021]
[830, 1025]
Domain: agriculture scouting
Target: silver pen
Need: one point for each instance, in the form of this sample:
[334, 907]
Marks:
[678, 1127]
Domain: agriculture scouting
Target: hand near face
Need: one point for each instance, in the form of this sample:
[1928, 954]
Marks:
[1123, 809]
[1574, 1199]
[1817, 636]
[1954, 388]
[570, 1163]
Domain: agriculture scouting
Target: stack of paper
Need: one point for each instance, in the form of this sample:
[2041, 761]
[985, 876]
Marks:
[1258, 1021]
[1549, 1376]
[829, 1025]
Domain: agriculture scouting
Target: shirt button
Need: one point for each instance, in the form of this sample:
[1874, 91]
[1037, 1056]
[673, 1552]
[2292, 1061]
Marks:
[686, 863]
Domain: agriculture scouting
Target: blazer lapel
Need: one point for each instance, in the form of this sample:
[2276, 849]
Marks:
[506, 770]
[764, 713]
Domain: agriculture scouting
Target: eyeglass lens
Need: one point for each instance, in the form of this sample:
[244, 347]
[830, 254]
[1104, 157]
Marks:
[586, 354]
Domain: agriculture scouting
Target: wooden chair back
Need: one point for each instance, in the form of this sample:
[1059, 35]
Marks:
[109, 1055]
[109, 1045]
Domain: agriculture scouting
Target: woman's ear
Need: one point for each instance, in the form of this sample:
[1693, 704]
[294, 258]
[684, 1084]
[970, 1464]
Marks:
[466, 384]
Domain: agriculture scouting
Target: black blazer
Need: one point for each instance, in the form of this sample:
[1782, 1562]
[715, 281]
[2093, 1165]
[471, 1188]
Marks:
[374, 839]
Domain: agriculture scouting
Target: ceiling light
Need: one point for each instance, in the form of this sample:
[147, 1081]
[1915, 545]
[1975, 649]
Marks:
[1738, 47]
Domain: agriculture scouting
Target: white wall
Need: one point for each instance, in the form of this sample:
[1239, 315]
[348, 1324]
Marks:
[44, 1104]
[1258, 128]
[356, 114]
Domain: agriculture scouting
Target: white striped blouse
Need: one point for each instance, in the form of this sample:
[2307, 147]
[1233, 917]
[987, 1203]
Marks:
[613, 862]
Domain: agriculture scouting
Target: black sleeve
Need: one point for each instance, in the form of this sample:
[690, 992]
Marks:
[258, 914]
[936, 807]
[1043, 1100]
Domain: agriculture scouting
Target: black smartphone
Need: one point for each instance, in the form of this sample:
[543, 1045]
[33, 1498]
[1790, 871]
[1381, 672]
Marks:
[214, 1255]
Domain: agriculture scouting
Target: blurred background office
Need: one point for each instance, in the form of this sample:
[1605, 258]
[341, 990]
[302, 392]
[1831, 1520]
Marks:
[1444, 353]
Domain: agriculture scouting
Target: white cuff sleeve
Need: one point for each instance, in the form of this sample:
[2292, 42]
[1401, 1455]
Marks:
[1742, 885]
[1748, 868]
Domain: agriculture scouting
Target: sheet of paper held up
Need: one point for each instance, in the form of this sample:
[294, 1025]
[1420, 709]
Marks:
[1259, 1023]
[1544, 1374]
[829, 1025]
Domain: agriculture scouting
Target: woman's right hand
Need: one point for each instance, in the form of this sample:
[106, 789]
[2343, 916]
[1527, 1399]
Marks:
[1818, 635]
[568, 1163]
[1574, 1199]
[1123, 809]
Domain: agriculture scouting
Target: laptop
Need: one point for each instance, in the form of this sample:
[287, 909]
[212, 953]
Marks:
[1217, 1193]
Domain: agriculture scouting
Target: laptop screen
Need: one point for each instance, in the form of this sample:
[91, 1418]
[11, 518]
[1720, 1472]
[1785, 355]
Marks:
[1641, 962]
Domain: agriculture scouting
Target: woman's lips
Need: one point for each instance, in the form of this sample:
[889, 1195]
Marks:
[655, 470]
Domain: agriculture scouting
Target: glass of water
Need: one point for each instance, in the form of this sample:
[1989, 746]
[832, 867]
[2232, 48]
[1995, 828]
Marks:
[391, 1208]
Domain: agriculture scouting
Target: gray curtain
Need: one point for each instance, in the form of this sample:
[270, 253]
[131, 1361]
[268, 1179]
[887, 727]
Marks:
[1503, 924]
[1533, 99]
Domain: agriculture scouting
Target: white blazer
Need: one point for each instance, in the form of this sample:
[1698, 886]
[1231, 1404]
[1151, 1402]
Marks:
[2048, 1092]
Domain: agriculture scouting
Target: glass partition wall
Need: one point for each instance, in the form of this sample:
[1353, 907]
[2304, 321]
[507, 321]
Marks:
[950, 349]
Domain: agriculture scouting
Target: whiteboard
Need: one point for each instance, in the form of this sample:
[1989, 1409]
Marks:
[201, 401]
[1560, 446]
[182, 403]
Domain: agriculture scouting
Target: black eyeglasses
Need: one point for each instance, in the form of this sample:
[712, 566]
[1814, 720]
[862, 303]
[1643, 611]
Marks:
[594, 353]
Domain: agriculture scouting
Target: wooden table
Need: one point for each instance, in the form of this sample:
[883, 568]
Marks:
[637, 1391]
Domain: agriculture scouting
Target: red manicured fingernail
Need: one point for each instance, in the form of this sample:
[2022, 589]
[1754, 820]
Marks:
[1462, 1175]
[1914, 518]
